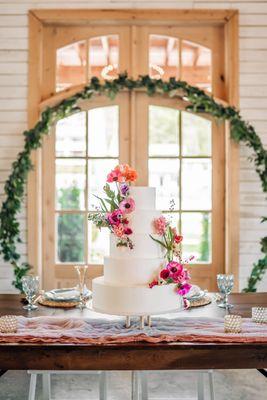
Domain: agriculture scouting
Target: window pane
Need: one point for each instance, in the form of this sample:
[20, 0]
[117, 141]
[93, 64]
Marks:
[103, 132]
[97, 175]
[196, 65]
[70, 184]
[196, 229]
[196, 135]
[174, 219]
[104, 56]
[71, 65]
[98, 244]
[164, 175]
[70, 238]
[196, 184]
[163, 57]
[70, 136]
[163, 131]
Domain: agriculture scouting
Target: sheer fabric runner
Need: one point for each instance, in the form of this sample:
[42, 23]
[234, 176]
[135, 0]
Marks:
[112, 330]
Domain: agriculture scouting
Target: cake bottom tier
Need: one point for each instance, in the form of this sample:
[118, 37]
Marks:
[134, 300]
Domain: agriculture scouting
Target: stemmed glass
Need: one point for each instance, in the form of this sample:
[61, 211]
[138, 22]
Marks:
[225, 284]
[30, 286]
[81, 271]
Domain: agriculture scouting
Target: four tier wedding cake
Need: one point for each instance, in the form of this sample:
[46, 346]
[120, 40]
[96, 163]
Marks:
[124, 287]
[135, 259]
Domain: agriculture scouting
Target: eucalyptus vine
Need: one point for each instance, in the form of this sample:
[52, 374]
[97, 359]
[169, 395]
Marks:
[198, 102]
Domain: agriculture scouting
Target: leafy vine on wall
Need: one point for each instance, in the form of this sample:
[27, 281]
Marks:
[199, 102]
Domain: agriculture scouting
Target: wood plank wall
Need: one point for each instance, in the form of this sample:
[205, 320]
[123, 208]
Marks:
[253, 101]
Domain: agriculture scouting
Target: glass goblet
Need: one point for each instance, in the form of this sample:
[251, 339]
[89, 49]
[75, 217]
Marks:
[30, 286]
[225, 285]
[81, 271]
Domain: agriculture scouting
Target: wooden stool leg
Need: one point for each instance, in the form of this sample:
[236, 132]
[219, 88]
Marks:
[200, 386]
[103, 385]
[46, 386]
[144, 388]
[134, 386]
[211, 385]
[32, 388]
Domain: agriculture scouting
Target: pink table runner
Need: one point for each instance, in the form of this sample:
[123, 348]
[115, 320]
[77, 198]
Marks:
[103, 331]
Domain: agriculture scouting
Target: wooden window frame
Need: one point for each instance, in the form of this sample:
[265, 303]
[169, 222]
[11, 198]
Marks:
[38, 93]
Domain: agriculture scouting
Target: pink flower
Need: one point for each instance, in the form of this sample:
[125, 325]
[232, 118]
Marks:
[184, 289]
[127, 205]
[164, 273]
[115, 217]
[186, 303]
[174, 266]
[128, 231]
[153, 283]
[115, 176]
[160, 225]
[178, 238]
[118, 230]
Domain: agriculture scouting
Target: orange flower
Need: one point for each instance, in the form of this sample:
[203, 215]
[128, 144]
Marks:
[128, 173]
[118, 230]
[131, 175]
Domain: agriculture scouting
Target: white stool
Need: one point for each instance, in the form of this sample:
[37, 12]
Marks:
[140, 387]
[46, 382]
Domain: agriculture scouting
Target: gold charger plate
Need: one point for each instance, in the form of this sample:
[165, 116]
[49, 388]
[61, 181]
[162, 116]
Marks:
[203, 301]
[59, 304]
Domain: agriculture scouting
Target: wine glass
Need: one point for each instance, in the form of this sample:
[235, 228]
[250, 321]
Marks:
[225, 284]
[81, 271]
[30, 286]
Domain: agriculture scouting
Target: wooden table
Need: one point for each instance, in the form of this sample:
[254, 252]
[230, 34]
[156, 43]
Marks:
[135, 356]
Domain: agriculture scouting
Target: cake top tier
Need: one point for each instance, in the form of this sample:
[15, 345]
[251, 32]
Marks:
[144, 197]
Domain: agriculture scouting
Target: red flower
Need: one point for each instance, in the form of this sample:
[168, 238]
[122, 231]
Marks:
[153, 283]
[178, 238]
[128, 231]
[164, 273]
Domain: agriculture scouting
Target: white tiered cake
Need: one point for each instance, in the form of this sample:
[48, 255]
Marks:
[124, 287]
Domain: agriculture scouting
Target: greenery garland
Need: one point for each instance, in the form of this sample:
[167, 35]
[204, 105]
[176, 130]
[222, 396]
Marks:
[199, 102]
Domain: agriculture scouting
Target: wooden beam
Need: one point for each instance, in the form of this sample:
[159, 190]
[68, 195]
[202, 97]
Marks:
[34, 191]
[115, 16]
[232, 151]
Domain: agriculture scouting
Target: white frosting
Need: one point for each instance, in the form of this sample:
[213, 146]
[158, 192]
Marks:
[134, 271]
[144, 247]
[141, 221]
[144, 197]
[134, 300]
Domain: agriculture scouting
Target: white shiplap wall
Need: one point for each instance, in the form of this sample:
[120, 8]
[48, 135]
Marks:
[253, 93]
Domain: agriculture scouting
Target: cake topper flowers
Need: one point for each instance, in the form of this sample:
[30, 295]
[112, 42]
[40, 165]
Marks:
[116, 207]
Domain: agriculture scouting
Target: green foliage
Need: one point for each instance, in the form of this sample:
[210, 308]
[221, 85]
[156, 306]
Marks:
[204, 245]
[70, 232]
[200, 102]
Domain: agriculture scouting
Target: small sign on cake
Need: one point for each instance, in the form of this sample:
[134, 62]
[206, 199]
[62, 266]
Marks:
[144, 273]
